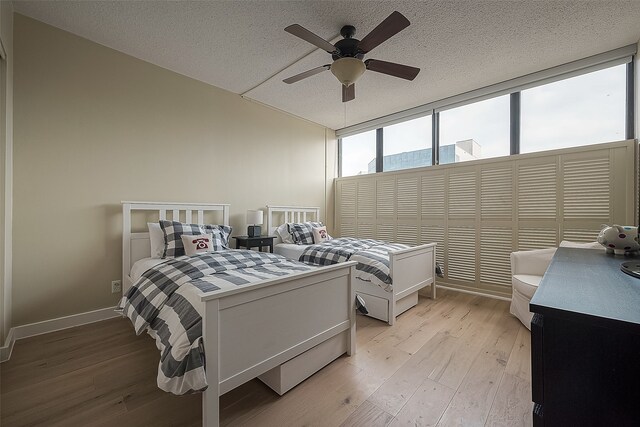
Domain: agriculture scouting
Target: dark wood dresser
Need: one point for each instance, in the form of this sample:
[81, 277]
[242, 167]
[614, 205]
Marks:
[585, 342]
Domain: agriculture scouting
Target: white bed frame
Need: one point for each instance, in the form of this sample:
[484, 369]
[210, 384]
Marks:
[412, 269]
[280, 330]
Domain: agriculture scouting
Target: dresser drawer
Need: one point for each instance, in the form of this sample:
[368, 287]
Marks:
[262, 242]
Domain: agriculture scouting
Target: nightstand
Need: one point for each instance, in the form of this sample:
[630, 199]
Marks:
[254, 242]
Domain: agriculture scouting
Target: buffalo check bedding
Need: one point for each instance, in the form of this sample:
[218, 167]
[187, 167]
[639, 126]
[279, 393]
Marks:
[165, 302]
[371, 255]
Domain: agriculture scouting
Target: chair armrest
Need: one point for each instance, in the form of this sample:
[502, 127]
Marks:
[534, 262]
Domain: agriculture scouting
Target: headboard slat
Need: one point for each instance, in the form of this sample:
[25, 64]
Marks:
[291, 214]
[132, 253]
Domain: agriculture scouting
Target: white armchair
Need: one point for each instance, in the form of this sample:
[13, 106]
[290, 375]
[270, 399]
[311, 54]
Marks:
[527, 269]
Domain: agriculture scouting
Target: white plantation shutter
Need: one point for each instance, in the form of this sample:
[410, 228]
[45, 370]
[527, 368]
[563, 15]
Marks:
[537, 191]
[479, 212]
[407, 193]
[432, 189]
[347, 200]
[385, 198]
[366, 199]
[495, 250]
[462, 194]
[581, 235]
[537, 238]
[586, 189]
[366, 230]
[462, 254]
[434, 234]
[496, 193]
[407, 234]
[348, 229]
[385, 232]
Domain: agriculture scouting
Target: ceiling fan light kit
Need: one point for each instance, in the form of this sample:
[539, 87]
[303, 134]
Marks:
[348, 70]
[348, 54]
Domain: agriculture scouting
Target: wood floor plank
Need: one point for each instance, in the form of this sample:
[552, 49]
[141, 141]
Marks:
[512, 406]
[368, 415]
[426, 406]
[520, 360]
[457, 359]
[472, 402]
[451, 371]
[398, 389]
[327, 398]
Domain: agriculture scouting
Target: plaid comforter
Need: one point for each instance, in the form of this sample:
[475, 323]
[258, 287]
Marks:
[165, 302]
[372, 257]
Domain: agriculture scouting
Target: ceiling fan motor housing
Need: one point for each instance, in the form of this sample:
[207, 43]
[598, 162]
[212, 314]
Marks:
[348, 47]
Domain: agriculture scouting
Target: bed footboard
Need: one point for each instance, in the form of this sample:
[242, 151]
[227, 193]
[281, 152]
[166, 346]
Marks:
[412, 269]
[251, 330]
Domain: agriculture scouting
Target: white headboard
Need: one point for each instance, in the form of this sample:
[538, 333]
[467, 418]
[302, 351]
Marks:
[291, 214]
[136, 246]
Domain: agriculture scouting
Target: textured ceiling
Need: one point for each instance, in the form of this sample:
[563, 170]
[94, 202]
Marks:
[241, 46]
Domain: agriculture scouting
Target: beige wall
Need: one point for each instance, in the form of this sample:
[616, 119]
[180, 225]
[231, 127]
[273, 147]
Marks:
[94, 126]
[6, 142]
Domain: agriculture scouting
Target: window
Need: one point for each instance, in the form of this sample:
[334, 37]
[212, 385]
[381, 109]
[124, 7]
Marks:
[358, 154]
[475, 131]
[582, 110]
[407, 145]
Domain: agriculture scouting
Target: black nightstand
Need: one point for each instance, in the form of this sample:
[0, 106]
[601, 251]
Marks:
[254, 242]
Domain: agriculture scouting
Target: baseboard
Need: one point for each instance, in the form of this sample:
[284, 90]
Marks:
[44, 327]
[5, 352]
[481, 294]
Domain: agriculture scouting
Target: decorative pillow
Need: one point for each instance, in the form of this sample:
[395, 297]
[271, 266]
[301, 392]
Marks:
[283, 232]
[156, 238]
[320, 234]
[221, 232]
[174, 230]
[197, 243]
[302, 232]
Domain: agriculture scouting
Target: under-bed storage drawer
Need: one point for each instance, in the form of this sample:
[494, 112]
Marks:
[377, 307]
[292, 372]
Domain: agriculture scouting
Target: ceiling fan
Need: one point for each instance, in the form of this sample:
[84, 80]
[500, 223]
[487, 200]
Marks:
[348, 54]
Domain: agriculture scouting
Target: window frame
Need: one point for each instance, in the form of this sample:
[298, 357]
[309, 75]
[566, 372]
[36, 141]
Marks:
[515, 126]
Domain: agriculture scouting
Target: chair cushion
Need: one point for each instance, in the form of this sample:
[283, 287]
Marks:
[526, 284]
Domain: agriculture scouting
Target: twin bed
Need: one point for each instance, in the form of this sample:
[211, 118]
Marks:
[250, 314]
[281, 330]
[409, 268]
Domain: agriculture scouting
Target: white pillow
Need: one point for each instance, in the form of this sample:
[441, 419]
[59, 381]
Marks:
[156, 238]
[197, 243]
[320, 234]
[283, 232]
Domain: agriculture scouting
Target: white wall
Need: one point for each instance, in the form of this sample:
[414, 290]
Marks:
[94, 127]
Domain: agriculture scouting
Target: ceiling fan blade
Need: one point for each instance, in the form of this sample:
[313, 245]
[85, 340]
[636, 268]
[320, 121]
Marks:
[388, 28]
[304, 34]
[392, 69]
[348, 92]
[308, 73]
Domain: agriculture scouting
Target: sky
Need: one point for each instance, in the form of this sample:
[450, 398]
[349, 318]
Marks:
[582, 110]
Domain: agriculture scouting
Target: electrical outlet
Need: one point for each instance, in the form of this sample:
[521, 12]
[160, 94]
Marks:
[116, 286]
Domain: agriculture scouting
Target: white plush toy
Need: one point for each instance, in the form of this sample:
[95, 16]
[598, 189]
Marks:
[619, 239]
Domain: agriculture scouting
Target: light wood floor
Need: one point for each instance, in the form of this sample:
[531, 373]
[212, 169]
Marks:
[459, 360]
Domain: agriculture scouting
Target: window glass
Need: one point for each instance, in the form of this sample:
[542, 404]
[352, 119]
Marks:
[407, 145]
[359, 153]
[582, 110]
[475, 131]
